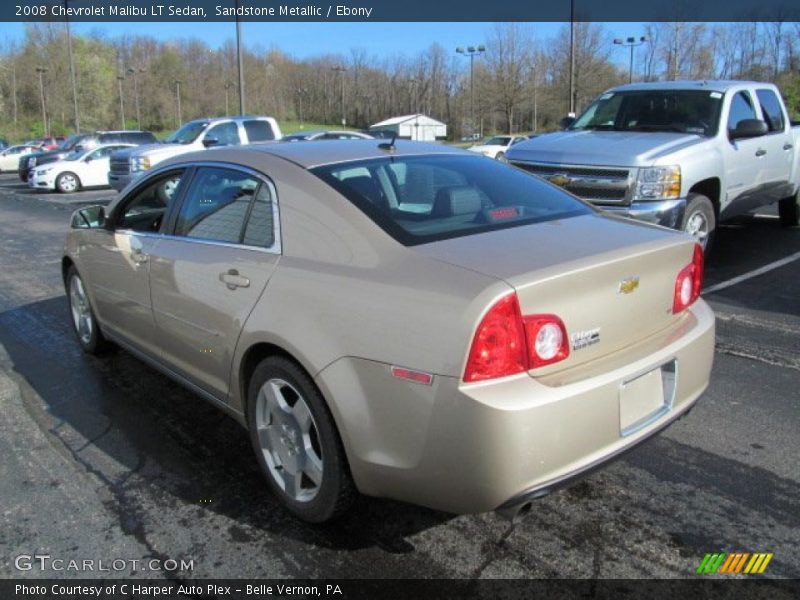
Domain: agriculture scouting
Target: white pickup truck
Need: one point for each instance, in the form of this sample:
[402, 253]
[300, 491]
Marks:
[127, 165]
[681, 154]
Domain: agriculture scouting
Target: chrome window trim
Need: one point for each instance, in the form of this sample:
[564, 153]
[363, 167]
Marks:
[277, 245]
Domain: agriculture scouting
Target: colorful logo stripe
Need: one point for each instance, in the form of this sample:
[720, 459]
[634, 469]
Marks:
[734, 563]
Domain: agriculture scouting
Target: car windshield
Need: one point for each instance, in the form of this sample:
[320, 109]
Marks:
[188, 133]
[419, 199]
[681, 111]
[70, 142]
[498, 140]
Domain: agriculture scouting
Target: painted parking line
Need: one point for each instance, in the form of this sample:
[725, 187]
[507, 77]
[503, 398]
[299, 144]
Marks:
[755, 273]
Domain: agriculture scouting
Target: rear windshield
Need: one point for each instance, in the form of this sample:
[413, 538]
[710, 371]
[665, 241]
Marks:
[419, 199]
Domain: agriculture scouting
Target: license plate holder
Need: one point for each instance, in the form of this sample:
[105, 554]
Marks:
[646, 397]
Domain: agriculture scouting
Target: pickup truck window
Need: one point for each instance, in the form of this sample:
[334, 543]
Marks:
[258, 131]
[681, 111]
[741, 108]
[226, 133]
[771, 107]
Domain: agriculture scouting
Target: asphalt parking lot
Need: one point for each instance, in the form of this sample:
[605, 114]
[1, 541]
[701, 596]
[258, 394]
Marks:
[106, 459]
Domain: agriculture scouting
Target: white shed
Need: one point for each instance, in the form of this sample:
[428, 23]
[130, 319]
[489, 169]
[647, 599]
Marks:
[421, 128]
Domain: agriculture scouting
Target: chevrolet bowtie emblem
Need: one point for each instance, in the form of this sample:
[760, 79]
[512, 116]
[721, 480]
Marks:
[628, 285]
[559, 179]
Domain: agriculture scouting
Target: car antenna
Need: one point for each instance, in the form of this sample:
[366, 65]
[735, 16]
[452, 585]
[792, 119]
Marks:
[389, 145]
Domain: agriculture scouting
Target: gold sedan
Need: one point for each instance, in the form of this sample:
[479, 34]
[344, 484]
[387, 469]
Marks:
[404, 320]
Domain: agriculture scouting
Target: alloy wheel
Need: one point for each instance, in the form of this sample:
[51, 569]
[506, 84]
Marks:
[289, 440]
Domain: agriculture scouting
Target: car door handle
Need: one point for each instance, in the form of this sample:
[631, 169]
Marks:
[760, 152]
[787, 146]
[233, 280]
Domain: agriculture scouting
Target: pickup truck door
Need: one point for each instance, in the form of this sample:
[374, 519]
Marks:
[778, 144]
[744, 161]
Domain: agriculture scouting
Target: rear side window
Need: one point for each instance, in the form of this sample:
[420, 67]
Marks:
[419, 199]
[226, 205]
[741, 109]
[258, 131]
[771, 107]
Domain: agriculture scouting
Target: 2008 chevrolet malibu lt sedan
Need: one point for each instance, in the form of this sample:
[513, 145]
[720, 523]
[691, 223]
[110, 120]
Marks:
[404, 320]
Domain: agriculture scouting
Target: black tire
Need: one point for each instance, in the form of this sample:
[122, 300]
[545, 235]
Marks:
[500, 156]
[24, 176]
[94, 342]
[336, 492]
[699, 209]
[63, 185]
[789, 210]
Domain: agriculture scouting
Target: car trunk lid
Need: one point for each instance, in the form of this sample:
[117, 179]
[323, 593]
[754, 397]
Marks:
[611, 281]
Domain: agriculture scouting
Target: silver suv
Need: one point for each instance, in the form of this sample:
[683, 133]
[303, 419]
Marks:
[127, 165]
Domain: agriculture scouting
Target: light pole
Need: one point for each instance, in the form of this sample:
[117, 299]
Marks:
[228, 86]
[72, 72]
[571, 58]
[178, 97]
[471, 51]
[632, 42]
[120, 79]
[41, 71]
[365, 98]
[341, 70]
[13, 71]
[133, 71]
[239, 59]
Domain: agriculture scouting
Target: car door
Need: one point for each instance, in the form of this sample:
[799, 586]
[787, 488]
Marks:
[743, 160]
[778, 147]
[210, 271]
[115, 260]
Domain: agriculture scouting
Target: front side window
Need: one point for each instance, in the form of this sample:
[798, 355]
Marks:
[419, 199]
[146, 208]
[226, 205]
[741, 109]
[188, 133]
[771, 107]
[226, 134]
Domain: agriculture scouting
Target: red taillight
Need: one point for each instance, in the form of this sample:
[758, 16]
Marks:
[507, 343]
[689, 282]
[498, 348]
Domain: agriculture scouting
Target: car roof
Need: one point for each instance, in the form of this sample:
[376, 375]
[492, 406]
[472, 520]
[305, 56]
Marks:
[323, 152]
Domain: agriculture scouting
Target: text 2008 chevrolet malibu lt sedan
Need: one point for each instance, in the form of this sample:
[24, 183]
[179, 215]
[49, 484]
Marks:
[406, 320]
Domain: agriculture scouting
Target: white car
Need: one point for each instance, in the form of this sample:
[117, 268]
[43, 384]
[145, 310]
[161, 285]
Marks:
[81, 169]
[9, 158]
[497, 146]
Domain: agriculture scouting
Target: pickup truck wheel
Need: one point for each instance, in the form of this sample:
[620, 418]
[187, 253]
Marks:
[700, 220]
[296, 441]
[789, 211]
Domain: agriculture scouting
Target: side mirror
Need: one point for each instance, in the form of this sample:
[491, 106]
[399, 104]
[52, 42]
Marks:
[88, 159]
[566, 122]
[90, 217]
[210, 141]
[749, 128]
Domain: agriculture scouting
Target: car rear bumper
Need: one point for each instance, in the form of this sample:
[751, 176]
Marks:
[668, 213]
[468, 448]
